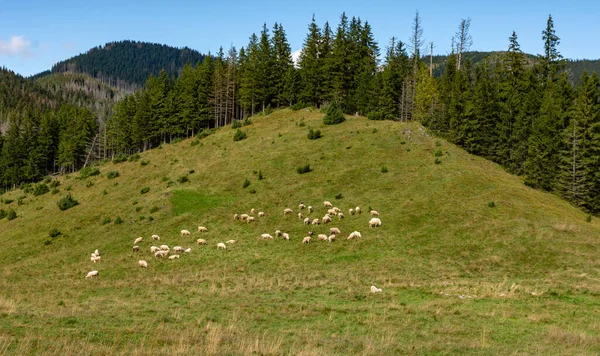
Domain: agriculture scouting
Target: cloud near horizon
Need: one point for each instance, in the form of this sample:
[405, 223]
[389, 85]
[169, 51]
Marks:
[16, 46]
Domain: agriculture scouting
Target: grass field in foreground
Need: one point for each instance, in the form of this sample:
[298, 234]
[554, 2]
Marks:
[458, 276]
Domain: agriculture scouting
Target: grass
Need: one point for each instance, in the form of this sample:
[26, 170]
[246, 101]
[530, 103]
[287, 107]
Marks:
[457, 276]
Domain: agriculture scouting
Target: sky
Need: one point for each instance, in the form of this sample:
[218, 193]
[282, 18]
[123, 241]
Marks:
[35, 34]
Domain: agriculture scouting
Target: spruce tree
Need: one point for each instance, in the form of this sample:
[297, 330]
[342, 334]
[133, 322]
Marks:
[282, 53]
[310, 70]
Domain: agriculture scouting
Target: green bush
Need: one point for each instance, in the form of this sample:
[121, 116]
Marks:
[438, 153]
[313, 135]
[153, 209]
[89, 184]
[246, 183]
[247, 122]
[134, 158]
[205, 132]
[252, 191]
[118, 220]
[54, 184]
[437, 160]
[54, 232]
[304, 169]
[191, 171]
[588, 218]
[299, 106]
[239, 135]
[183, 179]
[7, 201]
[150, 218]
[88, 172]
[375, 115]
[11, 214]
[195, 142]
[138, 209]
[334, 115]
[55, 191]
[145, 190]
[176, 140]
[47, 180]
[105, 192]
[25, 187]
[20, 201]
[120, 158]
[339, 196]
[260, 175]
[491, 204]
[67, 202]
[106, 221]
[2, 214]
[112, 174]
[301, 123]
[68, 188]
[144, 163]
[384, 169]
[236, 124]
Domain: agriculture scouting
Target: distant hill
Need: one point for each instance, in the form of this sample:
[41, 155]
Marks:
[127, 64]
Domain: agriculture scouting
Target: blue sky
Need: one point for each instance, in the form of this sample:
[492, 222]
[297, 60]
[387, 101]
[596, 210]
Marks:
[35, 34]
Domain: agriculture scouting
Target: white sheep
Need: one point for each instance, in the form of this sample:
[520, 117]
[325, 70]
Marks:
[301, 206]
[252, 211]
[244, 217]
[173, 257]
[315, 221]
[285, 236]
[357, 209]
[201, 242]
[96, 252]
[374, 222]
[230, 242]
[202, 229]
[310, 209]
[164, 248]
[266, 237]
[351, 211]
[236, 217]
[221, 246]
[331, 238]
[138, 240]
[161, 254]
[143, 263]
[136, 248]
[300, 216]
[95, 259]
[178, 249]
[306, 221]
[334, 230]
[92, 274]
[374, 213]
[154, 249]
[375, 289]
[185, 233]
[331, 212]
[354, 235]
[277, 233]
[322, 237]
[261, 214]
[250, 219]
[326, 219]
[336, 209]
[188, 250]
[306, 240]
[340, 216]
[287, 211]
[327, 204]
[155, 237]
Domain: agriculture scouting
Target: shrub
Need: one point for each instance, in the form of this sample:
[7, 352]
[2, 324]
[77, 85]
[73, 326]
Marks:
[48, 242]
[89, 184]
[236, 124]
[54, 232]
[588, 218]
[339, 196]
[195, 142]
[246, 183]
[438, 143]
[134, 158]
[252, 191]
[2, 214]
[88, 172]
[491, 204]
[7, 201]
[374, 130]
[191, 171]
[54, 191]
[25, 187]
[153, 209]
[67, 202]
[183, 179]
[299, 106]
[145, 190]
[54, 184]
[106, 221]
[437, 160]
[304, 169]
[301, 123]
[384, 169]
[68, 189]
[112, 174]
[144, 163]
[205, 132]
[138, 209]
[260, 175]
[20, 201]
[438, 153]
[134, 202]
[239, 135]
[105, 192]
[176, 140]
[118, 220]
[170, 183]
[375, 115]
[334, 115]
[121, 157]
[47, 180]
[164, 179]
[11, 214]
[313, 135]
[150, 218]
[247, 122]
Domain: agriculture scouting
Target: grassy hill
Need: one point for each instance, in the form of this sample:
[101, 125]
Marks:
[458, 276]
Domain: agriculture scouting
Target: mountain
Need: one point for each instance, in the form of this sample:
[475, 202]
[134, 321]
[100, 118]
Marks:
[127, 64]
[469, 259]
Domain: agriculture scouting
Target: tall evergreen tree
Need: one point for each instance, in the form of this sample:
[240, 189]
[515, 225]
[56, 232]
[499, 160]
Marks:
[282, 58]
[310, 66]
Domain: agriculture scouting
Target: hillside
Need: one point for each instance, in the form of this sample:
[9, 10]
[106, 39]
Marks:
[127, 64]
[459, 274]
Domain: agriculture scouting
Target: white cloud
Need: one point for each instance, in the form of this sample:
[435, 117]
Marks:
[296, 57]
[17, 46]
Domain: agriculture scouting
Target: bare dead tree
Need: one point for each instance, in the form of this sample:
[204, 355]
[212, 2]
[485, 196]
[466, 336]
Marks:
[463, 38]
[431, 59]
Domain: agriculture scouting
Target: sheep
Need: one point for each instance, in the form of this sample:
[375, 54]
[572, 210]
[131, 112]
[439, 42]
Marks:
[153, 249]
[357, 209]
[202, 229]
[287, 211]
[155, 237]
[331, 238]
[301, 206]
[136, 248]
[374, 213]
[230, 242]
[310, 209]
[351, 211]
[375, 289]
[266, 236]
[300, 216]
[374, 222]
[221, 246]
[178, 249]
[306, 221]
[201, 242]
[143, 263]
[95, 259]
[334, 230]
[331, 212]
[138, 240]
[161, 254]
[252, 211]
[188, 250]
[277, 233]
[322, 237]
[92, 274]
[250, 219]
[173, 257]
[336, 209]
[236, 217]
[327, 204]
[354, 235]
[285, 236]
[164, 248]
[315, 221]
[185, 233]
[310, 233]
[244, 217]
[261, 214]
[326, 219]
[306, 240]
[96, 252]
[340, 216]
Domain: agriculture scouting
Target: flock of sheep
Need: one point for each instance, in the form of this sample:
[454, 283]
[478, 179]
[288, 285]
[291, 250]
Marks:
[164, 251]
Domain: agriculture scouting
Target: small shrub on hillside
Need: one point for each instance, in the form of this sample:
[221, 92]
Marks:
[170, 184]
[374, 130]
[105, 192]
[54, 184]
[144, 163]
[47, 180]
[138, 209]
[2, 214]
[260, 175]
[68, 188]
[54, 191]
[491, 204]
[205, 132]
[176, 140]
[145, 190]
[135, 202]
[118, 220]
[334, 115]
[11, 214]
[150, 218]
[89, 184]
[588, 218]
[438, 143]
[375, 115]
[183, 179]
[106, 221]
[304, 169]
[164, 179]
[67, 202]
[134, 158]
[301, 123]
[299, 106]
[142, 217]
[48, 242]
[239, 135]
[7, 201]
[339, 196]
[247, 122]
[438, 153]
[54, 232]
[384, 169]
[20, 201]
[246, 183]
[88, 172]
[437, 160]
[120, 158]
[195, 142]
[25, 187]
[313, 135]
[236, 124]
[191, 171]
[153, 209]
[252, 191]
[112, 174]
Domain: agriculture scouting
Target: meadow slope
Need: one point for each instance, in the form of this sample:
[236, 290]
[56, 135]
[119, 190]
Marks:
[458, 276]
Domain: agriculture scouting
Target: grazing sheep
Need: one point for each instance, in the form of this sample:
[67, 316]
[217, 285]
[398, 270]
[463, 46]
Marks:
[334, 230]
[374, 213]
[96, 252]
[201, 242]
[322, 237]
[230, 242]
[306, 240]
[351, 211]
[331, 212]
[375, 289]
[336, 209]
[277, 233]
[266, 237]
[164, 248]
[188, 250]
[331, 238]
[315, 221]
[244, 217]
[138, 240]
[136, 248]
[300, 216]
[340, 216]
[143, 263]
[285, 236]
[287, 211]
[252, 211]
[310, 233]
[173, 257]
[310, 209]
[306, 221]
[185, 233]
[357, 209]
[250, 219]
[161, 254]
[301, 206]
[236, 217]
[261, 214]
[326, 219]
[95, 259]
[92, 274]
[374, 222]
[221, 246]
[178, 249]
[354, 235]
[202, 229]
[327, 204]
[155, 237]
[154, 249]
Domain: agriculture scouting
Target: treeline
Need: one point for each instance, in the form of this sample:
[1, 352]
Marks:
[530, 118]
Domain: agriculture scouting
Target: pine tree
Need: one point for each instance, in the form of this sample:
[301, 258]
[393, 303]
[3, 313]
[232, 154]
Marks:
[310, 71]
[282, 53]
[265, 69]
[551, 61]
